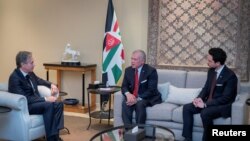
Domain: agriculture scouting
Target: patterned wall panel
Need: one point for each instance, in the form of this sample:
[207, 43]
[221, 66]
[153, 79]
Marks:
[182, 31]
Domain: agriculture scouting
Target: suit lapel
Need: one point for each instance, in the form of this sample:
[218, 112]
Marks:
[142, 74]
[222, 75]
[19, 73]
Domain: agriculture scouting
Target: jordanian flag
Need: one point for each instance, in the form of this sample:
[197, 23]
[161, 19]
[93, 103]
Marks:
[113, 52]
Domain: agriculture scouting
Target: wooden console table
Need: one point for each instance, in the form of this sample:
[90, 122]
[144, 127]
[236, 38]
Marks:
[83, 67]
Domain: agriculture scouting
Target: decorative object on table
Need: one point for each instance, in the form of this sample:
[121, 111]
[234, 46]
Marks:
[134, 134]
[70, 56]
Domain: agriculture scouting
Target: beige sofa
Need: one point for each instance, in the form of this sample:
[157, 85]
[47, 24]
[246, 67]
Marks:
[170, 115]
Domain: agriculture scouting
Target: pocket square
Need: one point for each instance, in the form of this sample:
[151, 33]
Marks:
[219, 85]
[144, 81]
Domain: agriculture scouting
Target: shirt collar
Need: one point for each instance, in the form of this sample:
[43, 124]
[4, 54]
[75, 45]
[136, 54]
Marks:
[219, 70]
[139, 69]
[24, 73]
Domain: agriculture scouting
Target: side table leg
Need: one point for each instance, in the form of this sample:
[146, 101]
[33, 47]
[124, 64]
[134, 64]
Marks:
[102, 110]
[47, 75]
[109, 108]
[83, 89]
[89, 112]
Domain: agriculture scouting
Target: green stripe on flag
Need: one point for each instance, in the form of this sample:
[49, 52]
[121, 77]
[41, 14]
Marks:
[117, 72]
[109, 57]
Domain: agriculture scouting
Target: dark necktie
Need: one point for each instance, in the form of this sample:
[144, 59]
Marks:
[136, 85]
[28, 79]
[30, 82]
[212, 86]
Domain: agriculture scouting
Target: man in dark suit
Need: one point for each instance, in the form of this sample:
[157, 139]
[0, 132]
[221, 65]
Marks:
[216, 97]
[140, 90]
[24, 81]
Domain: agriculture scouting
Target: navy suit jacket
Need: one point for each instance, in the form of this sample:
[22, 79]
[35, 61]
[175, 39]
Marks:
[148, 81]
[225, 90]
[19, 84]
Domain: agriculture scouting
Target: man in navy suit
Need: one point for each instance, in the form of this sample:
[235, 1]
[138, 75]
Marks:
[142, 94]
[24, 81]
[213, 101]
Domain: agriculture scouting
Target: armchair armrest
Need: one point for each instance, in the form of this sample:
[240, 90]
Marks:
[14, 101]
[17, 117]
[240, 109]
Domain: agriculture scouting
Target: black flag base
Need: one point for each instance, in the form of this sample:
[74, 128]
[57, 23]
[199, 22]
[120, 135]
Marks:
[104, 82]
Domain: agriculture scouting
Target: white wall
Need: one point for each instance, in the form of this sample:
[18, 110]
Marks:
[45, 26]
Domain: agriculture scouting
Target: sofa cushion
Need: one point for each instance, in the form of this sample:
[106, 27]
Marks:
[178, 117]
[196, 79]
[175, 77]
[223, 121]
[182, 96]
[164, 89]
[165, 110]
[218, 121]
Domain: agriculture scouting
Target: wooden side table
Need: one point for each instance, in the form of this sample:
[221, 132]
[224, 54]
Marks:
[83, 68]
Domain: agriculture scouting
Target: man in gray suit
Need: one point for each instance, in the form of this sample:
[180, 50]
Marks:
[216, 98]
[139, 88]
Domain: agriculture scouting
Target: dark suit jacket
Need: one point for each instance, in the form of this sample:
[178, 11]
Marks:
[148, 80]
[18, 84]
[225, 90]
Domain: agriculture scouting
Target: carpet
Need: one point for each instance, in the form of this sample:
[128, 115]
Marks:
[78, 128]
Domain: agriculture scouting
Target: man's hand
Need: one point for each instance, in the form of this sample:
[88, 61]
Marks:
[131, 99]
[54, 90]
[50, 98]
[198, 102]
